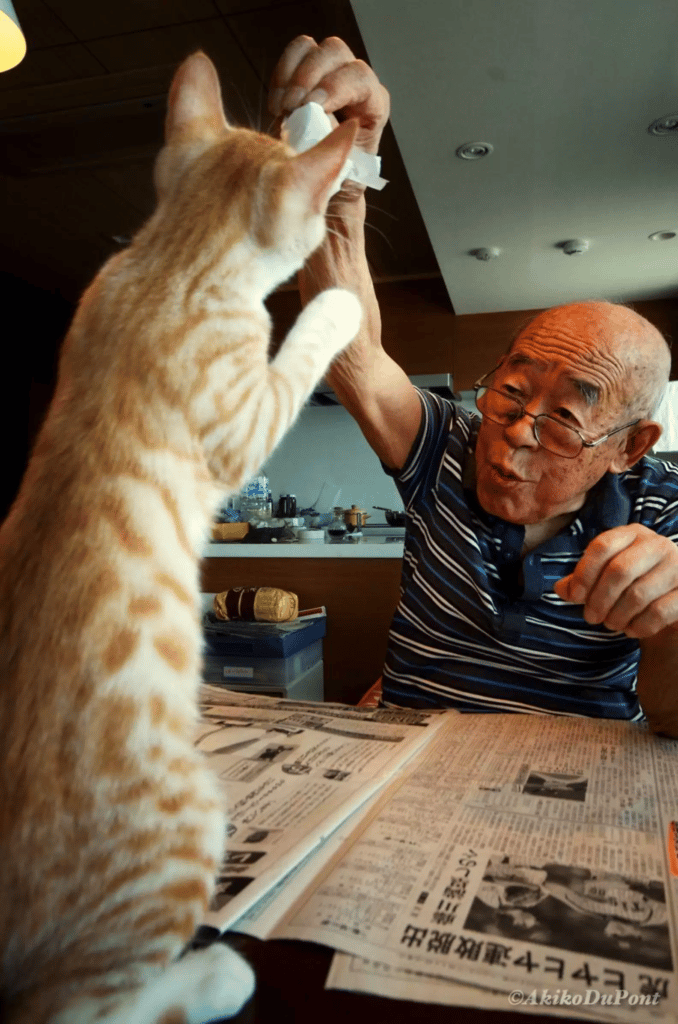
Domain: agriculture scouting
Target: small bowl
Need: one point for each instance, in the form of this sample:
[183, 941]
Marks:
[311, 536]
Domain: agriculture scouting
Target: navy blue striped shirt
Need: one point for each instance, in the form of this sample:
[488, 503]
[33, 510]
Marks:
[468, 632]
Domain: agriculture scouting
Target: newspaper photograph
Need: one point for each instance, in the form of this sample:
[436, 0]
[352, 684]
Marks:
[292, 772]
[524, 855]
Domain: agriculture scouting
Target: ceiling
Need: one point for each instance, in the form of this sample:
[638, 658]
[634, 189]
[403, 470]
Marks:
[563, 90]
[81, 119]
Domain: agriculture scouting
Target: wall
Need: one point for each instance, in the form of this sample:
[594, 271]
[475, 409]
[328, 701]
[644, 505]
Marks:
[327, 447]
[423, 335]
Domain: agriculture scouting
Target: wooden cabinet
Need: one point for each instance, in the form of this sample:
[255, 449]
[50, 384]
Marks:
[360, 596]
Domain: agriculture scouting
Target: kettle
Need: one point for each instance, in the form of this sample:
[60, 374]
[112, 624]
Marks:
[355, 517]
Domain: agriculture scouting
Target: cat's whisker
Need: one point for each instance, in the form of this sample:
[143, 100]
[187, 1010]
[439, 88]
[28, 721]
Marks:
[379, 209]
[388, 241]
[372, 227]
[313, 274]
[337, 234]
[245, 106]
[263, 93]
[269, 130]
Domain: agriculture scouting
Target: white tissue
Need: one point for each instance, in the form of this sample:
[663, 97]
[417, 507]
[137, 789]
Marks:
[667, 416]
[309, 124]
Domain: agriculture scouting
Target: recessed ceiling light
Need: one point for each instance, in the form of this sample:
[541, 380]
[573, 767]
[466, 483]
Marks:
[574, 246]
[474, 150]
[485, 253]
[662, 236]
[664, 125]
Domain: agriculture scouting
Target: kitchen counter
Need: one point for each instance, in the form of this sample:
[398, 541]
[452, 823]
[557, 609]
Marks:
[368, 547]
[378, 541]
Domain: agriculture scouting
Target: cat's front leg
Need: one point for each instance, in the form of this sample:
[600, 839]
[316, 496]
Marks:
[236, 450]
[322, 330]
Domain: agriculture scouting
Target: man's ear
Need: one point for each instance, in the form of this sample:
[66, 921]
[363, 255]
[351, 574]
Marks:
[642, 438]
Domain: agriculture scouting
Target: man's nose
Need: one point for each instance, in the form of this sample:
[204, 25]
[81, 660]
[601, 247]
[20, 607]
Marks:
[520, 432]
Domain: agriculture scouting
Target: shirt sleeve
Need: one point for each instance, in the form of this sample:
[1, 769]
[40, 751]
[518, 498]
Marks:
[656, 504]
[420, 471]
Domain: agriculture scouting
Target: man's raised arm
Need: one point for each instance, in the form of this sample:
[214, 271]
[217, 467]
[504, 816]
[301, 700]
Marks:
[371, 385]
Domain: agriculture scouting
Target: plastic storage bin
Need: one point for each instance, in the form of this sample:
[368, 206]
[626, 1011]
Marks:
[310, 686]
[280, 659]
[224, 668]
[261, 639]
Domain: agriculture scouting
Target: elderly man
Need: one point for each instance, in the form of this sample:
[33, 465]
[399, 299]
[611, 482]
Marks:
[541, 566]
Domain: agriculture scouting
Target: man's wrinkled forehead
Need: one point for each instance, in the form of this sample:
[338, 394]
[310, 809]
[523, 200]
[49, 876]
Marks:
[586, 389]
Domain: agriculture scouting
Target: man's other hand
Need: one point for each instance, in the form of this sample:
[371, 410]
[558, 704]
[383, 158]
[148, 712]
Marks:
[628, 579]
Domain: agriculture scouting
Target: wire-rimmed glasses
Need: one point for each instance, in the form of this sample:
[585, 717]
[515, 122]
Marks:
[553, 435]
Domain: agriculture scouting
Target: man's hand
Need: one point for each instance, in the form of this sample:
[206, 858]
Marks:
[329, 74]
[627, 579]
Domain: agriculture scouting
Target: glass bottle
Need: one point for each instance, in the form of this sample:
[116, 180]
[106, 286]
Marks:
[254, 499]
[336, 530]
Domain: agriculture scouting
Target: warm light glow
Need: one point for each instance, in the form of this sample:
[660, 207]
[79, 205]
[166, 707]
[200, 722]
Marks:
[12, 42]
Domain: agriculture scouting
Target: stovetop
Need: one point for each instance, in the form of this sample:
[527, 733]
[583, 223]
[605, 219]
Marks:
[389, 533]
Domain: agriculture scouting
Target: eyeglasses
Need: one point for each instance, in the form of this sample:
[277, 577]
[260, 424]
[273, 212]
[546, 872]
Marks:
[551, 434]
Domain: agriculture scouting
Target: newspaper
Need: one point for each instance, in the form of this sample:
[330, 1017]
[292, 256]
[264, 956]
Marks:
[293, 771]
[261, 920]
[358, 975]
[533, 857]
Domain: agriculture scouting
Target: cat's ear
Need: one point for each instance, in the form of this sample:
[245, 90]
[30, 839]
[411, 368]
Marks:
[316, 171]
[195, 111]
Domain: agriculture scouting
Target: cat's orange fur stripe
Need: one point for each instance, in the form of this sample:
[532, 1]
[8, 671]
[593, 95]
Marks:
[120, 649]
[163, 579]
[174, 651]
[144, 606]
[112, 509]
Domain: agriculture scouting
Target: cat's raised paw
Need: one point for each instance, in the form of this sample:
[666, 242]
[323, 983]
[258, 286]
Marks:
[222, 982]
[343, 311]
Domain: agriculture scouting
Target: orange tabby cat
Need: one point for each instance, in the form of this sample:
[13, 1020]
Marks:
[111, 826]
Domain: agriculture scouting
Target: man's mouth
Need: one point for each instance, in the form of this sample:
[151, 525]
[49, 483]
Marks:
[506, 474]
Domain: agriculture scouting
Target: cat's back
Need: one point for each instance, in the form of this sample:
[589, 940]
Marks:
[99, 661]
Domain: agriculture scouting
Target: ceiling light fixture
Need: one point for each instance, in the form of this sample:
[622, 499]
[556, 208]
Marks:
[664, 125]
[474, 150]
[574, 246]
[662, 236]
[485, 254]
[12, 41]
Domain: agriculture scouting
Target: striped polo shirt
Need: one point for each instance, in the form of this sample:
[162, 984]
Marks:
[468, 633]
